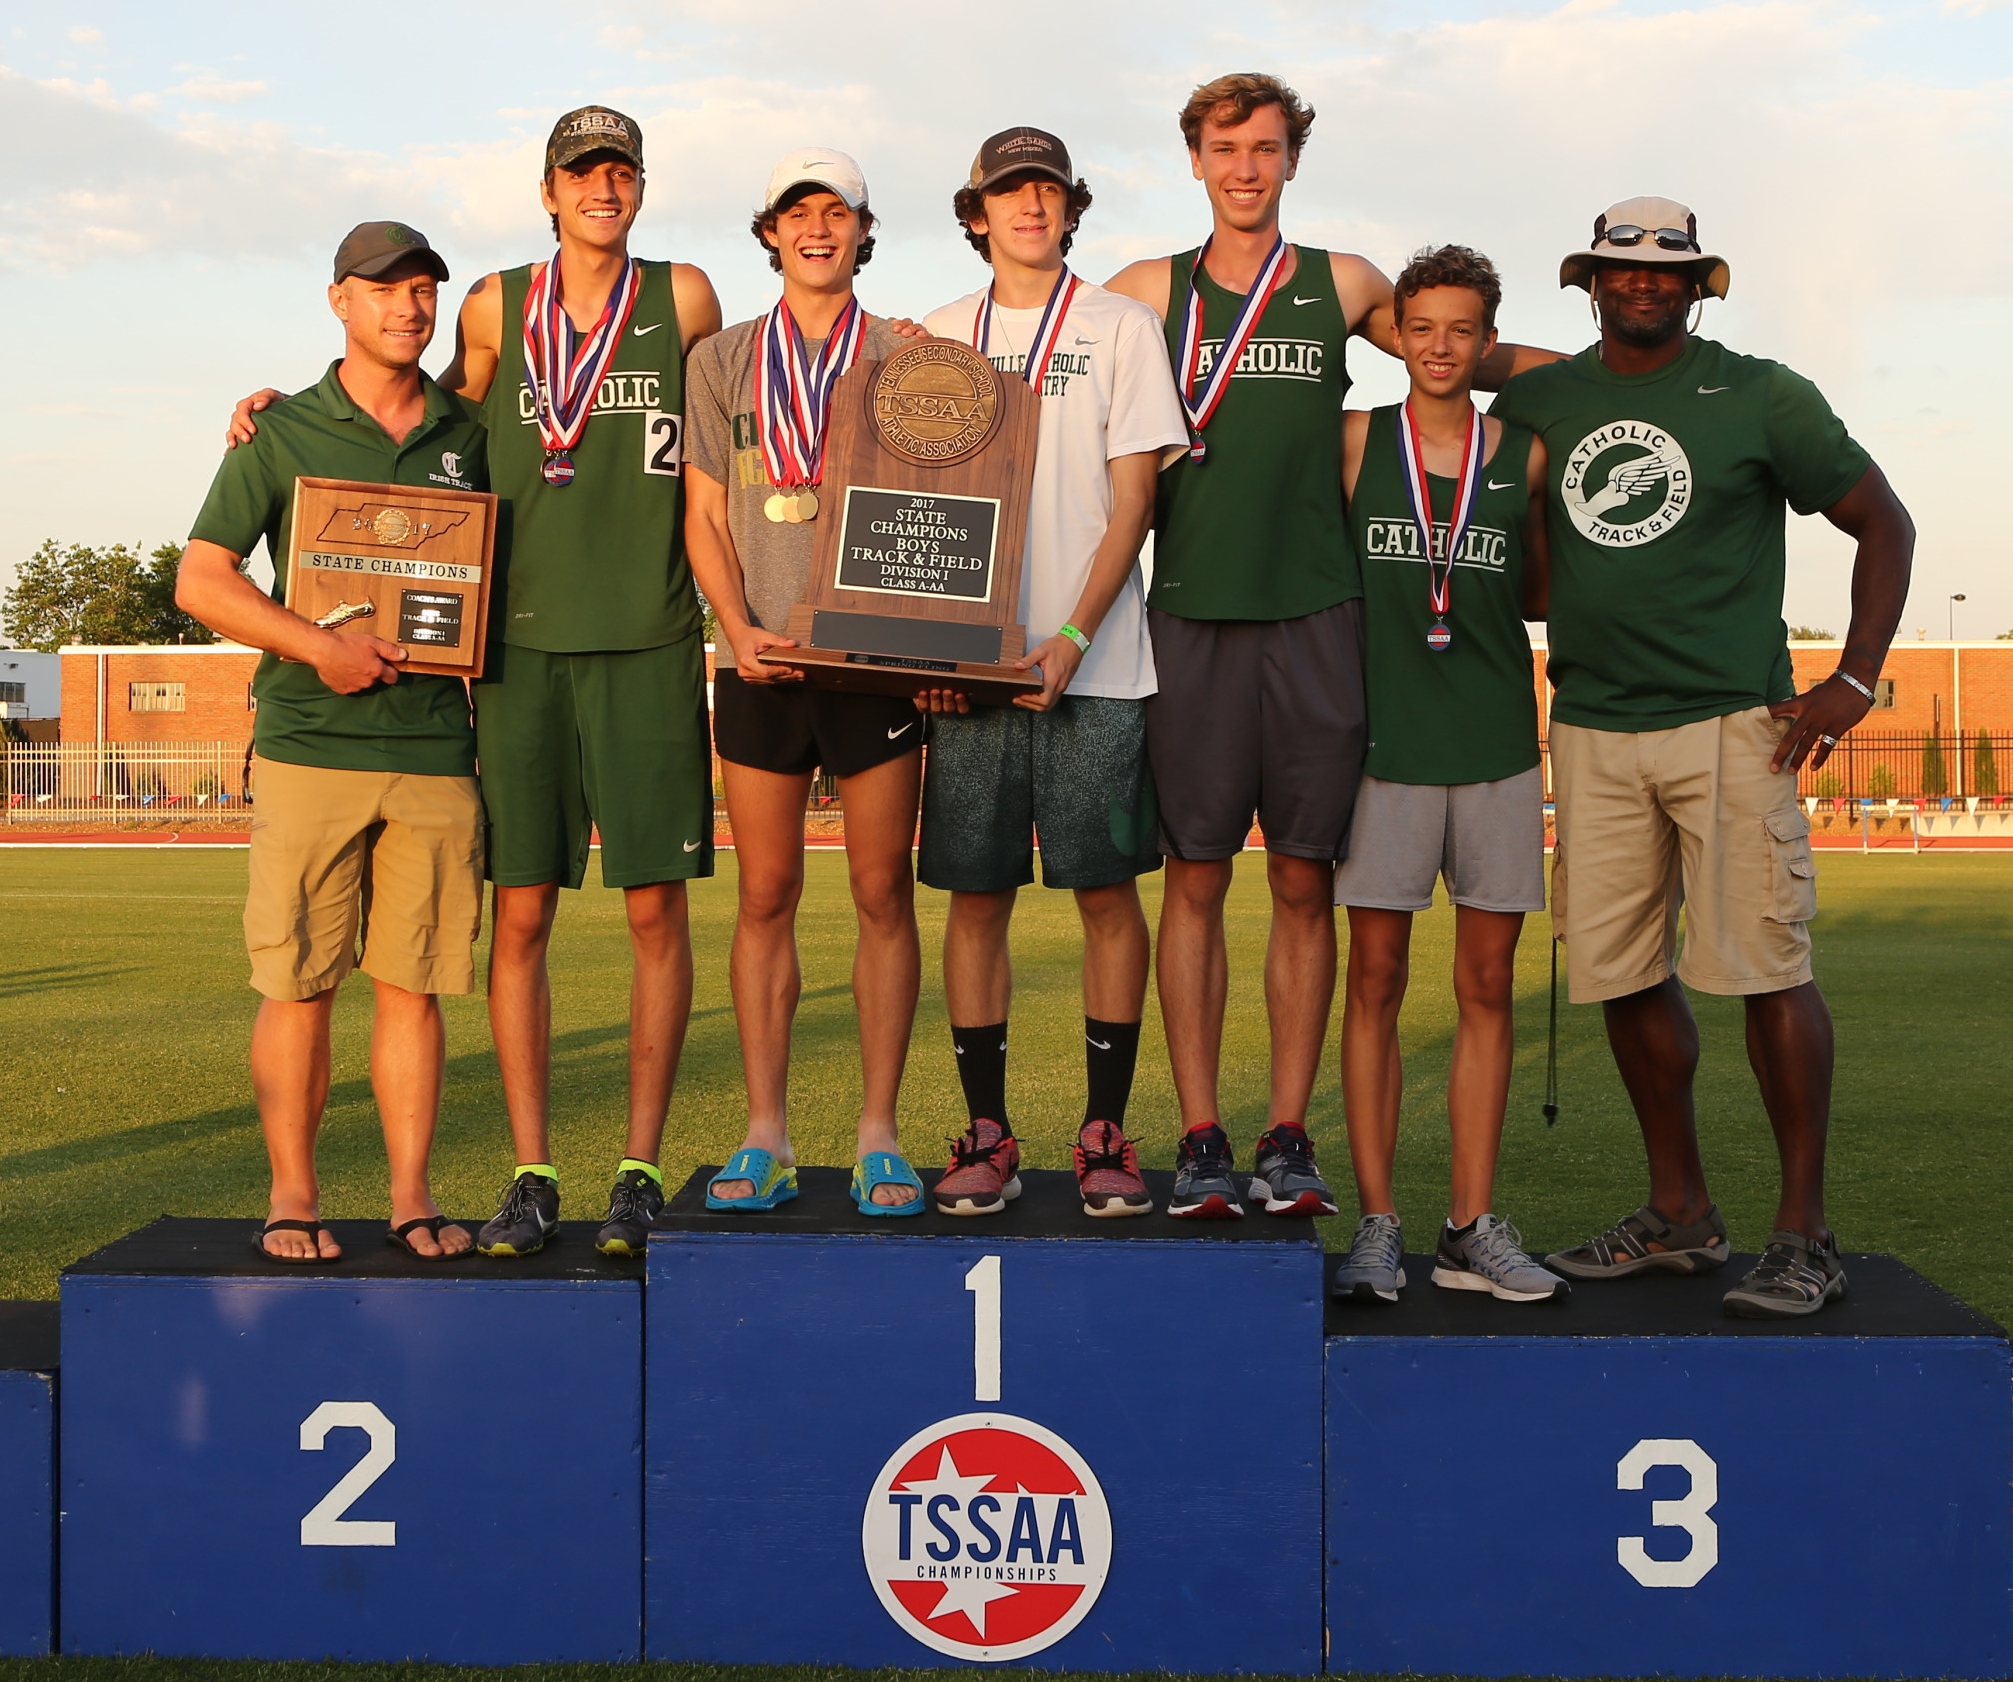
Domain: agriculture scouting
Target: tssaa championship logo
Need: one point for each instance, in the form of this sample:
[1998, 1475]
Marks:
[987, 1537]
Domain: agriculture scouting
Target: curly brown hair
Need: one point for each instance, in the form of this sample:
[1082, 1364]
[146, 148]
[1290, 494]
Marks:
[1232, 99]
[1449, 265]
[764, 224]
[968, 203]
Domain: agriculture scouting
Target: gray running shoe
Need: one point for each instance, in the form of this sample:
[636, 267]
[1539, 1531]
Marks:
[1204, 1188]
[1625, 1247]
[1489, 1256]
[529, 1215]
[632, 1211]
[1286, 1180]
[1375, 1267]
[1795, 1276]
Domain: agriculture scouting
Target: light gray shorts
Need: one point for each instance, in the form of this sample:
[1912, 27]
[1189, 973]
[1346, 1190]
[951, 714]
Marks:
[1487, 839]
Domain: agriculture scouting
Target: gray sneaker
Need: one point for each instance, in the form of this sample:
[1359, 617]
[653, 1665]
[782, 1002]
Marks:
[1286, 1180]
[529, 1216]
[1625, 1247]
[1204, 1186]
[1375, 1268]
[1795, 1276]
[1489, 1256]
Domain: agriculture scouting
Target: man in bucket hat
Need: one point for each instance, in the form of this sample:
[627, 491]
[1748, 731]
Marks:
[1677, 732]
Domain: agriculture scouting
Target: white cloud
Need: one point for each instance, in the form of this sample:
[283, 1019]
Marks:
[217, 92]
[85, 36]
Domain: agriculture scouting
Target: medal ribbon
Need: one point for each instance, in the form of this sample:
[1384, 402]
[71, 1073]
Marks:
[793, 400]
[1412, 454]
[1200, 408]
[1047, 334]
[565, 379]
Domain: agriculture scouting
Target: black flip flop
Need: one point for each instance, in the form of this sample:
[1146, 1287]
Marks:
[314, 1229]
[398, 1236]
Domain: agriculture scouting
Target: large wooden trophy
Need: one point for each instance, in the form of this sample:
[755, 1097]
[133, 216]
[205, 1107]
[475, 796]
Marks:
[921, 520]
[405, 564]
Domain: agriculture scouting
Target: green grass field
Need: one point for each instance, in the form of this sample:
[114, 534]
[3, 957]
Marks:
[123, 1090]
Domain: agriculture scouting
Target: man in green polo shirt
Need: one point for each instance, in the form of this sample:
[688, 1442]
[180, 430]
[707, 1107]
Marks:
[1677, 730]
[368, 820]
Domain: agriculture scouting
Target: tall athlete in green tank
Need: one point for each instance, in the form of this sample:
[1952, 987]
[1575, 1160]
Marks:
[1257, 622]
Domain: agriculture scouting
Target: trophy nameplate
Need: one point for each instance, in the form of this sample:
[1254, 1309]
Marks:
[403, 563]
[922, 517]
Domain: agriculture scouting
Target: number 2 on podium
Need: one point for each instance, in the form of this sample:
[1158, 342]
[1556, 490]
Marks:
[983, 1281]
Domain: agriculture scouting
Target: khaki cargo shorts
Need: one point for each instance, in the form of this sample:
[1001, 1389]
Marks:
[392, 856]
[1690, 817]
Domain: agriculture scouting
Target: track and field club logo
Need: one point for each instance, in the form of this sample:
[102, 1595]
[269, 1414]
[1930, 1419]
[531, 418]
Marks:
[987, 1537]
[1627, 483]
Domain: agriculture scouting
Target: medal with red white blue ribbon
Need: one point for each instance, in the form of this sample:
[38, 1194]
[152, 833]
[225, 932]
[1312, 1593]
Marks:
[1046, 334]
[793, 400]
[564, 377]
[1440, 561]
[1202, 406]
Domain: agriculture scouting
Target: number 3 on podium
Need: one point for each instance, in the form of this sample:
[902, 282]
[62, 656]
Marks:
[983, 1281]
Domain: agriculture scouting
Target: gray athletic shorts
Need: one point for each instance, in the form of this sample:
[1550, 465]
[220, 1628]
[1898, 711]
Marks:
[1075, 776]
[1257, 715]
[1487, 839]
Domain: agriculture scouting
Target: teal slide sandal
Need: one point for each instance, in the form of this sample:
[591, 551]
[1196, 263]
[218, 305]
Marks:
[773, 1182]
[884, 1168]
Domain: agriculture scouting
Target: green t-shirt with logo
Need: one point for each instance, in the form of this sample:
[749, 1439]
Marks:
[1467, 713]
[1666, 522]
[420, 723]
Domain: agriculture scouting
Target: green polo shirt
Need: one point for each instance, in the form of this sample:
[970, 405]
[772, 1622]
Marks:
[420, 723]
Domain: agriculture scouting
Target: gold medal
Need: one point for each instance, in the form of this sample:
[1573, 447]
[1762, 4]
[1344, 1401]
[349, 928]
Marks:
[807, 505]
[776, 508]
[793, 509]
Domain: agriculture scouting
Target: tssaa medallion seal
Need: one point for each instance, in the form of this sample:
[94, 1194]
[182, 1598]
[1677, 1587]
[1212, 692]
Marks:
[987, 1537]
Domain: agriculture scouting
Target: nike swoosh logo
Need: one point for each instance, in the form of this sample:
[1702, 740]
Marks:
[640, 331]
[1102, 1045]
[1708, 390]
[905, 729]
[691, 846]
[1313, 300]
[1507, 484]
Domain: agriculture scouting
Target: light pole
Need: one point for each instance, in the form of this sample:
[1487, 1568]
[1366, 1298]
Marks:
[1952, 607]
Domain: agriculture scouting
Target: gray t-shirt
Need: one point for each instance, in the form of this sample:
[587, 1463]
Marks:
[722, 442]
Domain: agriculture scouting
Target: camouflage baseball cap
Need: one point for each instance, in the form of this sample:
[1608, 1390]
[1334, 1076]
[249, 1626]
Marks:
[370, 248]
[593, 128]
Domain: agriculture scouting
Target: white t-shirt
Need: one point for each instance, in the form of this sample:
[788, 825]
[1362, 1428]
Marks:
[1108, 393]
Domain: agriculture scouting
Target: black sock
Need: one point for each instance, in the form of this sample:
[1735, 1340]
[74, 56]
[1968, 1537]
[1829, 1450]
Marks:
[982, 1071]
[1110, 1052]
[1457, 1233]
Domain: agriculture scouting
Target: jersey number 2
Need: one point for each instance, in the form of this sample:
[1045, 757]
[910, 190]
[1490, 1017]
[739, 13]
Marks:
[663, 441]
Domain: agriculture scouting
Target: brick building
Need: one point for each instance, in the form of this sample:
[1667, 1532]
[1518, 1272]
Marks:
[199, 692]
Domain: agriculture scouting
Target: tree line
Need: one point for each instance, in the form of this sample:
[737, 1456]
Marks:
[109, 594]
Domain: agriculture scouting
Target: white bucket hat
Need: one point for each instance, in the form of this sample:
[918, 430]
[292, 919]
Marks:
[1646, 231]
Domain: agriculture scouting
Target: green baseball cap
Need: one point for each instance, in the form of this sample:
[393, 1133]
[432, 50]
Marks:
[370, 248]
[593, 128]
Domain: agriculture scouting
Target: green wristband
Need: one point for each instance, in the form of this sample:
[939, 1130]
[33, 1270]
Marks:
[1082, 642]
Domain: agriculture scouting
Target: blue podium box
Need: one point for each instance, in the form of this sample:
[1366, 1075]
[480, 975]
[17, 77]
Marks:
[28, 1354]
[1630, 1483]
[380, 1460]
[1032, 1437]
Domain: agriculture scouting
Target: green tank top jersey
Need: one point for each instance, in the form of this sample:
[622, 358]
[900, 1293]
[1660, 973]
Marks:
[599, 564]
[1256, 529]
[1469, 713]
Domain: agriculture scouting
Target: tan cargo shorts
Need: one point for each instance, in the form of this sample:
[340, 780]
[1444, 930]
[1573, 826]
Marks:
[391, 856]
[1691, 817]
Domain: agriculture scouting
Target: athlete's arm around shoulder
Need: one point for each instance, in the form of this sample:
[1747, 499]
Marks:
[1364, 292]
[1355, 434]
[697, 303]
[1150, 280]
[1536, 597]
[478, 341]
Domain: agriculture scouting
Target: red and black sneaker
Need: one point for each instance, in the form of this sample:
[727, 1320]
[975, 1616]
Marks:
[1107, 1172]
[1204, 1186]
[984, 1171]
[1286, 1180]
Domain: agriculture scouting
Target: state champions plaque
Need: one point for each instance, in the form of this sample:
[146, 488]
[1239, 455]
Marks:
[923, 515]
[404, 563]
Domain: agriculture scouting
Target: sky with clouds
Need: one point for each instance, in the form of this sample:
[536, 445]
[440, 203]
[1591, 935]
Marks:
[181, 175]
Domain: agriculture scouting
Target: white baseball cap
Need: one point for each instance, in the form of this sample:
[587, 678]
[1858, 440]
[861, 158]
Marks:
[819, 166]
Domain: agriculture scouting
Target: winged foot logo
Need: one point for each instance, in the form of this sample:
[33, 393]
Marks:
[986, 1537]
[1626, 484]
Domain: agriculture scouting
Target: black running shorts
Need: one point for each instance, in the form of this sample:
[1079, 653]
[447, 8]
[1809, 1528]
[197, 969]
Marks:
[794, 728]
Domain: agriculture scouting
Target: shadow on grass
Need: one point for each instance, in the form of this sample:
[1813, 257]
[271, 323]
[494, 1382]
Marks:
[23, 983]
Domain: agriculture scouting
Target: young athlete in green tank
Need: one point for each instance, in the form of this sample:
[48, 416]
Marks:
[1447, 510]
[591, 711]
[1256, 621]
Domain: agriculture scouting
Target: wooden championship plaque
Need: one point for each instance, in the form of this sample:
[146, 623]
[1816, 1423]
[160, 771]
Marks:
[403, 563]
[922, 517]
